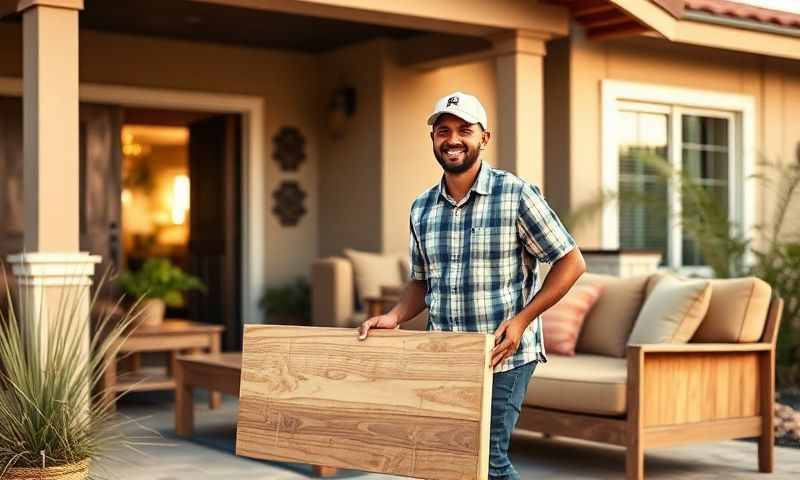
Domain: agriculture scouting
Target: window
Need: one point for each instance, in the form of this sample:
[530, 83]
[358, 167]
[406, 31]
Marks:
[700, 133]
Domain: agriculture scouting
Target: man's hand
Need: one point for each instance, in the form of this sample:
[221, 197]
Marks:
[381, 321]
[507, 339]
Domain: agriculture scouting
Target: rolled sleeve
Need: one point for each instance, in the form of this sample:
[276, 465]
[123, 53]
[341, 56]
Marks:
[417, 266]
[539, 228]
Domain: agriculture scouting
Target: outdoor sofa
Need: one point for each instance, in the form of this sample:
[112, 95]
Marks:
[718, 386]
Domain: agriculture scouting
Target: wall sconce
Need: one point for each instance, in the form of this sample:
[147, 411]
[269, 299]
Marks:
[341, 108]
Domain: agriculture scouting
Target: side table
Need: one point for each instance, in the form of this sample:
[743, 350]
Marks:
[174, 336]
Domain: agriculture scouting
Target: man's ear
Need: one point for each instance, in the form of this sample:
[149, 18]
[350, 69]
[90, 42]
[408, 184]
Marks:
[485, 137]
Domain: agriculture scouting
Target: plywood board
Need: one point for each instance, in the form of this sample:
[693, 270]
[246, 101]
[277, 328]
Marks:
[402, 402]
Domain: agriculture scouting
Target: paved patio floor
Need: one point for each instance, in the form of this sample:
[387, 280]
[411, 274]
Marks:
[209, 455]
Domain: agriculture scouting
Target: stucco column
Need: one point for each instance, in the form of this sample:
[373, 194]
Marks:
[52, 268]
[520, 105]
[50, 124]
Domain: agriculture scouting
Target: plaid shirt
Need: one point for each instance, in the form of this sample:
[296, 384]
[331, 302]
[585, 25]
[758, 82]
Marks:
[479, 255]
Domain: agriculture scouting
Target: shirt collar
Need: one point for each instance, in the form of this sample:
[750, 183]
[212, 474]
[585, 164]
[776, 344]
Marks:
[482, 184]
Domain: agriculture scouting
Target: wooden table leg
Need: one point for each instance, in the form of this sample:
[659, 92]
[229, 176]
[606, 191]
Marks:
[184, 404]
[215, 397]
[323, 471]
[135, 361]
[109, 380]
[172, 360]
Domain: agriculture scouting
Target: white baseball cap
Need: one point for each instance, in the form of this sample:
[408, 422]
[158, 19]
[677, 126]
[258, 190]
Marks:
[463, 106]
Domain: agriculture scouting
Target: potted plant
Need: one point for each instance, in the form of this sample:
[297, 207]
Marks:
[287, 304]
[160, 283]
[51, 424]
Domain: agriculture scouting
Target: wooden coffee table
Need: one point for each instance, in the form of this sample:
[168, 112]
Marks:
[219, 372]
[173, 336]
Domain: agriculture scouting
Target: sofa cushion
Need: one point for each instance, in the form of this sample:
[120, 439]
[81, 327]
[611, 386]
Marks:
[672, 312]
[609, 322]
[372, 271]
[562, 322]
[737, 311]
[584, 383]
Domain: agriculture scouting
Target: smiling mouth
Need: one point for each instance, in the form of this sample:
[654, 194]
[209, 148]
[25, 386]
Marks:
[454, 153]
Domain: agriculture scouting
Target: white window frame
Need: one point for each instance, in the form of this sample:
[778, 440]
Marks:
[676, 101]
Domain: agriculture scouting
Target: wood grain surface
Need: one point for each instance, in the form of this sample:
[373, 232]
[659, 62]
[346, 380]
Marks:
[402, 402]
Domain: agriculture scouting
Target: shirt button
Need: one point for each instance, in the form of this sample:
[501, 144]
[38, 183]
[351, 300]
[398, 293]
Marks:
[454, 289]
[458, 211]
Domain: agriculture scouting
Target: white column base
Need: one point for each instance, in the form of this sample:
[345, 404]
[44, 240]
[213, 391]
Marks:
[46, 281]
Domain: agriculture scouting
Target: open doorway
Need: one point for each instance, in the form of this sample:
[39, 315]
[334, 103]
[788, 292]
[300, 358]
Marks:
[180, 195]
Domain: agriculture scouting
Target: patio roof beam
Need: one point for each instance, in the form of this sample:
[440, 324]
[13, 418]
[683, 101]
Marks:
[737, 39]
[445, 16]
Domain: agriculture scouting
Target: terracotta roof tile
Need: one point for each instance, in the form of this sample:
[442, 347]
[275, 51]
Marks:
[727, 8]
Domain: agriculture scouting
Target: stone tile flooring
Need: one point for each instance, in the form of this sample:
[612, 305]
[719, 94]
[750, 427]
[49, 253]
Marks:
[209, 455]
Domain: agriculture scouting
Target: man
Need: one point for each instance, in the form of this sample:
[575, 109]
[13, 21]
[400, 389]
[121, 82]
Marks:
[475, 240]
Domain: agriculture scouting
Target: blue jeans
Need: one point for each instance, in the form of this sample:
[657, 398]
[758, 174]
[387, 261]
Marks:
[508, 391]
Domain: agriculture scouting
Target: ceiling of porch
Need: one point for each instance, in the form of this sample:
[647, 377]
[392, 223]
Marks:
[208, 22]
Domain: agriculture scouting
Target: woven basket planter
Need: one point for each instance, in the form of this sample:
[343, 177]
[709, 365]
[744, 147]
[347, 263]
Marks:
[74, 471]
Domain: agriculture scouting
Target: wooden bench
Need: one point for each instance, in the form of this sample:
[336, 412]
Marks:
[220, 372]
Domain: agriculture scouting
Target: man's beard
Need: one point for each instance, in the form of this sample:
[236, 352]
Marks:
[470, 157]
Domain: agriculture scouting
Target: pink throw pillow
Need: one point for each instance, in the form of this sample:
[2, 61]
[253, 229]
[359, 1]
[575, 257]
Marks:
[563, 321]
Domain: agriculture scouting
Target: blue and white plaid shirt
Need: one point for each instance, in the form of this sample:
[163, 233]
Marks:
[479, 255]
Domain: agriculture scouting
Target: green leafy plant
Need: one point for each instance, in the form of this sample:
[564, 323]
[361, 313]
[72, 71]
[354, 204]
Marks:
[159, 278]
[291, 300]
[48, 414]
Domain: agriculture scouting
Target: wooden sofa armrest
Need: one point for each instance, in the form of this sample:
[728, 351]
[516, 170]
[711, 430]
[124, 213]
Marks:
[697, 347]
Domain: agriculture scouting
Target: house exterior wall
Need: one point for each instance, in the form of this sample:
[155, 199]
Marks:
[409, 164]
[774, 84]
[287, 82]
[371, 174]
[350, 165]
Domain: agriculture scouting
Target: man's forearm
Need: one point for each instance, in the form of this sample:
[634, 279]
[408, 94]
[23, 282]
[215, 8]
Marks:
[559, 280]
[412, 301]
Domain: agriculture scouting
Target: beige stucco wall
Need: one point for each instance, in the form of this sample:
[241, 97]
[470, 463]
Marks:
[773, 83]
[286, 81]
[409, 164]
[350, 164]
[371, 174]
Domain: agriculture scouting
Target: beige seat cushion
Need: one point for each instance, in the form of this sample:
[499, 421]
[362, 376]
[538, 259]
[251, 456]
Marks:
[584, 383]
[607, 325]
[672, 312]
[737, 312]
[373, 271]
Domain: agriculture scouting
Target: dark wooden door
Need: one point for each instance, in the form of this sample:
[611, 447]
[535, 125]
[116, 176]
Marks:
[11, 210]
[100, 158]
[101, 184]
[215, 223]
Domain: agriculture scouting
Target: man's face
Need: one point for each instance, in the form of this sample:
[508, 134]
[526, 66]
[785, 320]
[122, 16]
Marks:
[457, 143]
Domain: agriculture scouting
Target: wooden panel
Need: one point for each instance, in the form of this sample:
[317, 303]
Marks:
[683, 388]
[401, 402]
[702, 432]
[587, 427]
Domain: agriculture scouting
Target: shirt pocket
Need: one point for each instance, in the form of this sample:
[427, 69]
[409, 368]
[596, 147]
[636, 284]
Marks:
[492, 242]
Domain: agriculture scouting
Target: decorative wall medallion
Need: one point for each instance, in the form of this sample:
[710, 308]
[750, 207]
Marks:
[289, 199]
[290, 148]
